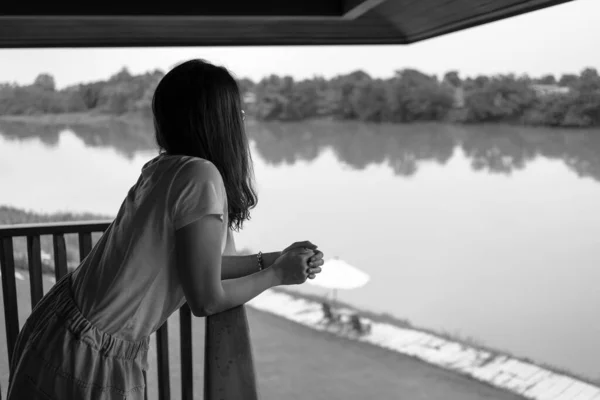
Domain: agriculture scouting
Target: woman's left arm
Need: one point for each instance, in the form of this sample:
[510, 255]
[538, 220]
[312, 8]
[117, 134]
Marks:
[233, 267]
[236, 266]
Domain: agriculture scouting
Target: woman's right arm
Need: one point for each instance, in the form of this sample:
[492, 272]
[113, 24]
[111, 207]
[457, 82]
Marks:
[199, 262]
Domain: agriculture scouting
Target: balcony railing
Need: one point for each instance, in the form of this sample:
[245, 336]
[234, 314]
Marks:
[227, 336]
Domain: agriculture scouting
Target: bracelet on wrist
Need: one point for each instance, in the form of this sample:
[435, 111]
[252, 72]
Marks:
[259, 258]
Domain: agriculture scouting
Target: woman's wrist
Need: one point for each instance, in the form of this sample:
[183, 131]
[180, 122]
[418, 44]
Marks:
[270, 258]
[274, 278]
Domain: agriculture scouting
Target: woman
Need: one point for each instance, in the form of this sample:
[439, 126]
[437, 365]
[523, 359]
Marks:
[88, 337]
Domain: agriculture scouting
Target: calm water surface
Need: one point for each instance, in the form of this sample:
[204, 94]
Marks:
[490, 232]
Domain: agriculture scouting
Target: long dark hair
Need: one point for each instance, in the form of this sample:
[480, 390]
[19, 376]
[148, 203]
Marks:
[198, 112]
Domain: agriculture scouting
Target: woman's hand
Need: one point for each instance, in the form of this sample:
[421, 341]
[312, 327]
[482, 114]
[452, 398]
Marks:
[315, 262]
[291, 268]
[297, 245]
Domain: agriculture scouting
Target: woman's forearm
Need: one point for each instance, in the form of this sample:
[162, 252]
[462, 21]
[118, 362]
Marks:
[239, 291]
[241, 281]
[233, 267]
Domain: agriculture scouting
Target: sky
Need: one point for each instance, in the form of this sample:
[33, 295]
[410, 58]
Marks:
[560, 39]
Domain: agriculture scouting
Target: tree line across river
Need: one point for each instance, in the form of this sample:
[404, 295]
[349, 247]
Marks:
[571, 100]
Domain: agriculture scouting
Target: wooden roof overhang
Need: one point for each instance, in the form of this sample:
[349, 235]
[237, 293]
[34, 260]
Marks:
[32, 23]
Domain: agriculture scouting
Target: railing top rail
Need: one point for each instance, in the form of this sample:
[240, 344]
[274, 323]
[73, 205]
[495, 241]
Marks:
[53, 228]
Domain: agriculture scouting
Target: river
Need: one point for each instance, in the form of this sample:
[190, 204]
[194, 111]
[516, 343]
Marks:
[489, 232]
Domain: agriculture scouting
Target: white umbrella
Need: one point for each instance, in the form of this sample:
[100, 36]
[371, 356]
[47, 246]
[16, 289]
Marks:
[338, 274]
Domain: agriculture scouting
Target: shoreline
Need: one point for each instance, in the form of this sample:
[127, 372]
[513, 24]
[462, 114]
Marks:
[70, 118]
[91, 118]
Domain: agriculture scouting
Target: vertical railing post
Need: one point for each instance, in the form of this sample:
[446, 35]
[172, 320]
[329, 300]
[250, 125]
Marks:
[228, 364]
[186, 353]
[9, 293]
[34, 257]
[85, 244]
[60, 256]
[162, 358]
[145, 385]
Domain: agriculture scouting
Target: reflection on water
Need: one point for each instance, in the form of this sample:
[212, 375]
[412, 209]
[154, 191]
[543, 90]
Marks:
[125, 137]
[490, 231]
[357, 145]
[496, 149]
[492, 148]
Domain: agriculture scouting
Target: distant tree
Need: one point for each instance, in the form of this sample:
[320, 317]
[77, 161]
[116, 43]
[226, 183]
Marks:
[90, 93]
[548, 110]
[272, 98]
[344, 99]
[408, 96]
[501, 98]
[116, 99]
[589, 81]
[568, 80]
[481, 81]
[414, 96]
[122, 76]
[589, 73]
[45, 82]
[369, 100]
[547, 80]
[304, 99]
[452, 78]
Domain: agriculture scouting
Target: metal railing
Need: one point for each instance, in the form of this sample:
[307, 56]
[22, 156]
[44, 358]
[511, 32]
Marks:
[227, 337]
